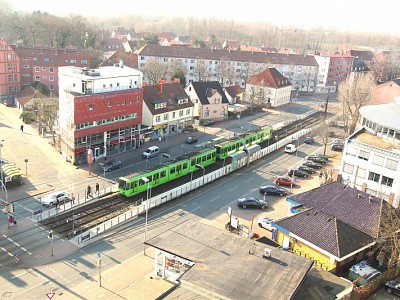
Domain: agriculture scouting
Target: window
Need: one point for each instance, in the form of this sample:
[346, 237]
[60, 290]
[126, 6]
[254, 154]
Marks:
[181, 113]
[387, 181]
[46, 59]
[37, 78]
[73, 61]
[391, 164]
[188, 111]
[51, 70]
[123, 102]
[43, 68]
[109, 104]
[374, 176]
[361, 173]
[138, 99]
[173, 115]
[157, 118]
[347, 168]
[377, 160]
[91, 107]
[44, 77]
[351, 151]
[51, 78]
[165, 116]
[51, 88]
[37, 69]
[84, 62]
[363, 155]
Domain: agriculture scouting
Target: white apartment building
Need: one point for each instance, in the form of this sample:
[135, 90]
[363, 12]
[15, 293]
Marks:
[230, 67]
[371, 155]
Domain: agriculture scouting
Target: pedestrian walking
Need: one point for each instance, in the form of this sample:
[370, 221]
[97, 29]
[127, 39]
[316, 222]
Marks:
[73, 198]
[89, 191]
[11, 220]
[97, 189]
[22, 128]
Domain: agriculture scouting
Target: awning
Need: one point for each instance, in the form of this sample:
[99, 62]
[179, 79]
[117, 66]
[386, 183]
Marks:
[11, 170]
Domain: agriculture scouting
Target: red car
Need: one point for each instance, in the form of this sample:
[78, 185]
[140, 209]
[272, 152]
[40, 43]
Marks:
[282, 180]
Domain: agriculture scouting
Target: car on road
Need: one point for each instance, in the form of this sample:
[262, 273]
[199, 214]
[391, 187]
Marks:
[392, 287]
[272, 190]
[309, 140]
[112, 165]
[316, 158]
[282, 180]
[290, 148]
[207, 122]
[312, 164]
[306, 169]
[191, 140]
[251, 202]
[337, 147]
[297, 173]
[265, 222]
[53, 198]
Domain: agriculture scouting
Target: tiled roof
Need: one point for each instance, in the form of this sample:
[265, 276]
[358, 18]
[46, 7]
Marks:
[342, 202]
[202, 87]
[53, 56]
[128, 59]
[359, 65]
[364, 55]
[217, 54]
[326, 232]
[27, 94]
[234, 90]
[170, 91]
[270, 78]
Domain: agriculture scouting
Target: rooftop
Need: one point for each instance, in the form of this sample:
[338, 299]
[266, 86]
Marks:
[383, 114]
[232, 267]
[365, 137]
[100, 73]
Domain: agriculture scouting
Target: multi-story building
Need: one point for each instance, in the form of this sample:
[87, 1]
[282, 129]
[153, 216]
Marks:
[99, 109]
[333, 69]
[10, 76]
[167, 109]
[209, 99]
[230, 67]
[268, 89]
[371, 155]
[41, 64]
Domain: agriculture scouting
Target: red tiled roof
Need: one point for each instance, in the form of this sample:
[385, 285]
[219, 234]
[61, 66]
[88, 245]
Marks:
[270, 78]
[234, 90]
[127, 58]
[27, 94]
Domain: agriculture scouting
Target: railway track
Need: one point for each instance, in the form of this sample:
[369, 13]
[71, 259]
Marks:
[88, 216]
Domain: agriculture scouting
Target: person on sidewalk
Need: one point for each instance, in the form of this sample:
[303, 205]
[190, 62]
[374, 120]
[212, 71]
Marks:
[89, 191]
[22, 128]
[11, 220]
[97, 189]
[72, 198]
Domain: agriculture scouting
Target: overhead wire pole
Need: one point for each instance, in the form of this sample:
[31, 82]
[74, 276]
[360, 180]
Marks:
[325, 114]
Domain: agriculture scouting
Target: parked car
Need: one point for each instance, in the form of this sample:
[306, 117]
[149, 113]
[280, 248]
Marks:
[272, 190]
[112, 165]
[297, 173]
[191, 129]
[282, 180]
[306, 169]
[312, 164]
[309, 140]
[207, 122]
[265, 222]
[151, 152]
[4, 161]
[51, 199]
[337, 147]
[392, 287]
[191, 140]
[316, 158]
[326, 157]
[251, 202]
[338, 141]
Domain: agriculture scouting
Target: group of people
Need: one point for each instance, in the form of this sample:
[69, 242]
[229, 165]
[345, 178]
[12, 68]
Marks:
[89, 190]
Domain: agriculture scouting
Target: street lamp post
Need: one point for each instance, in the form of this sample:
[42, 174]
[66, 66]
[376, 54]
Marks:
[26, 166]
[191, 179]
[1, 162]
[145, 179]
[204, 170]
[50, 237]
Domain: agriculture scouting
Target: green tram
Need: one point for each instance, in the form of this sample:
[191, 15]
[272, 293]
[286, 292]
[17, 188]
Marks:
[133, 184]
[229, 147]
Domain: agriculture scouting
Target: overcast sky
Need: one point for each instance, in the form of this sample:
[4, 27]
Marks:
[352, 15]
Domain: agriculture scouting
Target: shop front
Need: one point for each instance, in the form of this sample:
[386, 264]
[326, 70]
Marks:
[169, 266]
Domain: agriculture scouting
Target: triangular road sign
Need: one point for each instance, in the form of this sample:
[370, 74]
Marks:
[50, 295]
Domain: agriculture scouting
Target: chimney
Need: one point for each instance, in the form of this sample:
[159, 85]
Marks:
[144, 83]
[177, 80]
[160, 85]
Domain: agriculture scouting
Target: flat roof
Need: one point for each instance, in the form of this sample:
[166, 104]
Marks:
[365, 137]
[230, 266]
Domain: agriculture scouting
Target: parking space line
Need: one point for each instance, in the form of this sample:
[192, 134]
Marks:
[232, 189]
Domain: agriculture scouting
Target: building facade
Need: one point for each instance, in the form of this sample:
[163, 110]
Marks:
[268, 89]
[39, 64]
[371, 155]
[230, 67]
[100, 110]
[10, 75]
[167, 109]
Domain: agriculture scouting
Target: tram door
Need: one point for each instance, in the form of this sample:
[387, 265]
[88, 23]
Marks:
[96, 152]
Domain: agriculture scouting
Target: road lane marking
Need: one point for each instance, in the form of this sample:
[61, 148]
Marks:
[248, 180]
[232, 189]
[215, 198]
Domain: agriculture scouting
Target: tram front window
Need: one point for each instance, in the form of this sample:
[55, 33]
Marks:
[122, 184]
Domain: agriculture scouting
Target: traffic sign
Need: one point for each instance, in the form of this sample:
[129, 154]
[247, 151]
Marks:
[50, 295]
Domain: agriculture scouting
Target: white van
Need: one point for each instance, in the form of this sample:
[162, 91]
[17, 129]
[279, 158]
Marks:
[290, 148]
[151, 152]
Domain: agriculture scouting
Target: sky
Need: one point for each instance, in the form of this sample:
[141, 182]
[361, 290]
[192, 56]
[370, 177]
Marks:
[352, 15]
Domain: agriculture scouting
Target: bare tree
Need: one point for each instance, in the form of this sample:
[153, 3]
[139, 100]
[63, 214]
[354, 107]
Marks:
[353, 94]
[323, 131]
[201, 70]
[155, 70]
